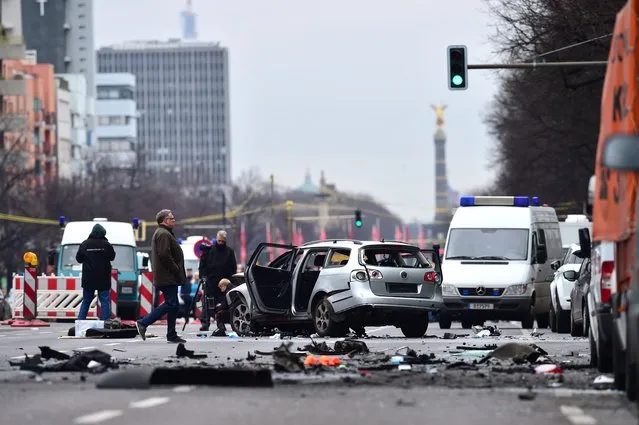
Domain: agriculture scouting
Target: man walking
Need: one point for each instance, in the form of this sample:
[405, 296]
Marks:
[216, 263]
[95, 254]
[168, 275]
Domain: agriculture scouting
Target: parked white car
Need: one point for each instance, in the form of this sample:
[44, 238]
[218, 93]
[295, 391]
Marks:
[560, 290]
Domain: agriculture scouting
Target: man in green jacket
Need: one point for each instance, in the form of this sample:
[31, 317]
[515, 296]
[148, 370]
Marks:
[168, 275]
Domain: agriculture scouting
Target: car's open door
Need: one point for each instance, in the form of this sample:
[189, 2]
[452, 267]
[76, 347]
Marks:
[270, 287]
[432, 255]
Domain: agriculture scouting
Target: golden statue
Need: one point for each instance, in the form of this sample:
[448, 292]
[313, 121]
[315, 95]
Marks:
[439, 111]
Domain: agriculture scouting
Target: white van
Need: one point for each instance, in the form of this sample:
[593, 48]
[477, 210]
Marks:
[570, 229]
[497, 260]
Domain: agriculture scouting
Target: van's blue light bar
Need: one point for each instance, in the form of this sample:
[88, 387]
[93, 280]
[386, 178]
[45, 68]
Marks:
[509, 201]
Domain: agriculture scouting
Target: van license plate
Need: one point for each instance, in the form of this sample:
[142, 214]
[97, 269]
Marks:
[481, 306]
[126, 290]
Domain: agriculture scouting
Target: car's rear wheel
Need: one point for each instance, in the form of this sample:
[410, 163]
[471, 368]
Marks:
[323, 320]
[415, 327]
[445, 321]
[240, 317]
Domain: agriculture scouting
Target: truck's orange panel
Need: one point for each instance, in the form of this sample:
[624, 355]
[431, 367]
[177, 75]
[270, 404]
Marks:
[614, 200]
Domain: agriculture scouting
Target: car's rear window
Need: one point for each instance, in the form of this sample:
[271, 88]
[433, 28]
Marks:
[392, 256]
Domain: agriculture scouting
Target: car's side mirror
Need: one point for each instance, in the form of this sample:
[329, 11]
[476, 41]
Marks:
[52, 257]
[621, 152]
[555, 265]
[571, 275]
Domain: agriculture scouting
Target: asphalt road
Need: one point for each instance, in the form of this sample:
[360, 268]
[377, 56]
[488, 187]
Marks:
[492, 393]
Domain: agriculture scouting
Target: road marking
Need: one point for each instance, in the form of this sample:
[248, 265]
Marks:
[18, 357]
[112, 344]
[101, 416]
[183, 389]
[86, 348]
[149, 402]
[577, 416]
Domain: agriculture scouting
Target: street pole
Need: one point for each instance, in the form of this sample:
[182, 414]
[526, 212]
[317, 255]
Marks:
[223, 207]
[289, 217]
[533, 65]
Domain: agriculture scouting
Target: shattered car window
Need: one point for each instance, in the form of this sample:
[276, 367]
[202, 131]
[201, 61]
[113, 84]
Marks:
[395, 257]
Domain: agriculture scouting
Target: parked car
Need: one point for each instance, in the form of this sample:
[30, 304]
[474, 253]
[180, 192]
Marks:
[560, 289]
[330, 286]
[579, 318]
[5, 307]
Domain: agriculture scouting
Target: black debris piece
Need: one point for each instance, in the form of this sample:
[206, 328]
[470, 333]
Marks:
[250, 357]
[518, 353]
[527, 396]
[47, 353]
[183, 352]
[286, 361]
[462, 366]
[350, 347]
[485, 347]
[320, 349]
[449, 335]
[119, 333]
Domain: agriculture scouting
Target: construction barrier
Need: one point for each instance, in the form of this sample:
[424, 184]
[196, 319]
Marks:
[146, 293]
[55, 297]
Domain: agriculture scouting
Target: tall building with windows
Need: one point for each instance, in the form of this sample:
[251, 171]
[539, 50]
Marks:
[82, 107]
[61, 32]
[182, 95]
[117, 120]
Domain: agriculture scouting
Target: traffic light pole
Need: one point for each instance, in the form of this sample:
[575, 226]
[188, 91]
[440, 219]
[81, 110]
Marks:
[533, 65]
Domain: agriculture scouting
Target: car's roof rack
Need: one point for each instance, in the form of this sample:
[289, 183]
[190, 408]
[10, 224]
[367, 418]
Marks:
[355, 241]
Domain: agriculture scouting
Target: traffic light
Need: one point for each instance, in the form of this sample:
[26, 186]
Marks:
[457, 68]
[358, 218]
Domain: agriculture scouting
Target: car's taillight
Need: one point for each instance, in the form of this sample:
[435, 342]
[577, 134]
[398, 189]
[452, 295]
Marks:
[430, 277]
[607, 268]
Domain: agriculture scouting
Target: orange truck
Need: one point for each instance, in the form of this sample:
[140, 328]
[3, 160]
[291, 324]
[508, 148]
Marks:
[615, 202]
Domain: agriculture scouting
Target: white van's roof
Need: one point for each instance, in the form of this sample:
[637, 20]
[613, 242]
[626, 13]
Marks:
[118, 233]
[501, 217]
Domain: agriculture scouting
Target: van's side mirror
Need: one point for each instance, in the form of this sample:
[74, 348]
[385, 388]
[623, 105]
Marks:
[584, 243]
[145, 262]
[571, 275]
[555, 265]
[542, 254]
[52, 257]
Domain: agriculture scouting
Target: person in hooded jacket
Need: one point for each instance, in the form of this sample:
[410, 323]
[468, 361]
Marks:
[95, 254]
[216, 263]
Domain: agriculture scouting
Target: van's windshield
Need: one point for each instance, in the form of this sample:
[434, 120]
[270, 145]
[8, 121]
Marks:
[487, 244]
[125, 258]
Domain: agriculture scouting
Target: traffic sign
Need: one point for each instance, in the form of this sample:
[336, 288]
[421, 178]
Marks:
[197, 248]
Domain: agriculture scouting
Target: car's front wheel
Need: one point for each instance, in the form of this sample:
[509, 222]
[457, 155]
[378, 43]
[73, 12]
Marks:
[240, 317]
[323, 320]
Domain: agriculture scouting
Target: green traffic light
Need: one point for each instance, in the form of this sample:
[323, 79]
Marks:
[358, 223]
[458, 80]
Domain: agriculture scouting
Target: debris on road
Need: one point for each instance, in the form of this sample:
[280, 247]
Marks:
[517, 352]
[603, 382]
[183, 352]
[94, 361]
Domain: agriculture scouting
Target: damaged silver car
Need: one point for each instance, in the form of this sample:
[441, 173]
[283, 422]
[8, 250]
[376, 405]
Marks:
[330, 286]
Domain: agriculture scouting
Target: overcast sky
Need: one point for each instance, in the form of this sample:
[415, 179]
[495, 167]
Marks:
[343, 86]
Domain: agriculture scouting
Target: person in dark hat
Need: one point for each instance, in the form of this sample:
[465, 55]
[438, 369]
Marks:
[95, 254]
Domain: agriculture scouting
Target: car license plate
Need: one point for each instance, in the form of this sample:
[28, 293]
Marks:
[481, 306]
[126, 290]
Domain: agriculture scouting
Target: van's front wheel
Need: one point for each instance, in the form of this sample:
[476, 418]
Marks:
[528, 321]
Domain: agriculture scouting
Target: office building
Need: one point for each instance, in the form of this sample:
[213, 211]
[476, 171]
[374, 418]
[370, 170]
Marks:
[64, 130]
[82, 108]
[61, 32]
[117, 120]
[182, 95]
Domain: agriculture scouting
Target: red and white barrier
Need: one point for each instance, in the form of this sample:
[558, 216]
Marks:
[146, 293]
[30, 293]
[113, 295]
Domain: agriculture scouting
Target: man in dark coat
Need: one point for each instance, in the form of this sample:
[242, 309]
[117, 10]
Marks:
[168, 275]
[95, 254]
[216, 263]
